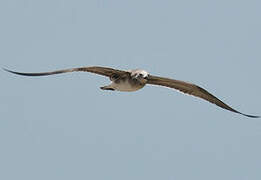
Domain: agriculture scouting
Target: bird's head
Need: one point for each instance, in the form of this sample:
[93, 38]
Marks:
[140, 75]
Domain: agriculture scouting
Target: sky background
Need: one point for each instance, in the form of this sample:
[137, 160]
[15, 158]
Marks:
[65, 127]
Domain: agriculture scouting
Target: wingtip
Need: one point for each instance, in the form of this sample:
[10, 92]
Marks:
[7, 70]
[250, 116]
[253, 116]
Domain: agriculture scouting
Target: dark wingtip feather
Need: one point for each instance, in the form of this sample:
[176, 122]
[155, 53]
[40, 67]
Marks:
[7, 70]
[19, 73]
[39, 74]
[251, 116]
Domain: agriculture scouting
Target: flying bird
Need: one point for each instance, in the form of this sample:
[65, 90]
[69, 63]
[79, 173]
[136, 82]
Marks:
[133, 80]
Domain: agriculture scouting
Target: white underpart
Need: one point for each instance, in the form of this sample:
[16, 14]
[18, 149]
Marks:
[123, 86]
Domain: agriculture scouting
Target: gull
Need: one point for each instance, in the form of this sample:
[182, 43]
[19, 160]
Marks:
[133, 80]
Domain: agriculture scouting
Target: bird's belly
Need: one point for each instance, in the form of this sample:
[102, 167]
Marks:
[126, 86]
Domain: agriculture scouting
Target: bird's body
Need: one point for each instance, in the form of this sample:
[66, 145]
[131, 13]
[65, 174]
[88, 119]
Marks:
[125, 85]
[133, 80]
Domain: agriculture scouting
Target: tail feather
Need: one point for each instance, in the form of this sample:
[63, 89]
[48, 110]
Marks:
[107, 88]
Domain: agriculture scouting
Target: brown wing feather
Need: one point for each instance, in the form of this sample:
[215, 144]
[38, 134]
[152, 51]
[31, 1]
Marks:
[95, 69]
[102, 71]
[191, 89]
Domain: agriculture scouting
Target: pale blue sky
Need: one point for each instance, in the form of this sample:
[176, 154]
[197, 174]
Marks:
[65, 127]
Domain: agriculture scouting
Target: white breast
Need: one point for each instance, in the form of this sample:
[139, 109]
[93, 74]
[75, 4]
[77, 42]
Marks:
[125, 86]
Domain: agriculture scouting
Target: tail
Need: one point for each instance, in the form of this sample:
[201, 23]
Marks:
[107, 88]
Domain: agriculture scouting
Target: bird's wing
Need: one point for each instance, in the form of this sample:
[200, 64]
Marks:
[109, 72]
[191, 89]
